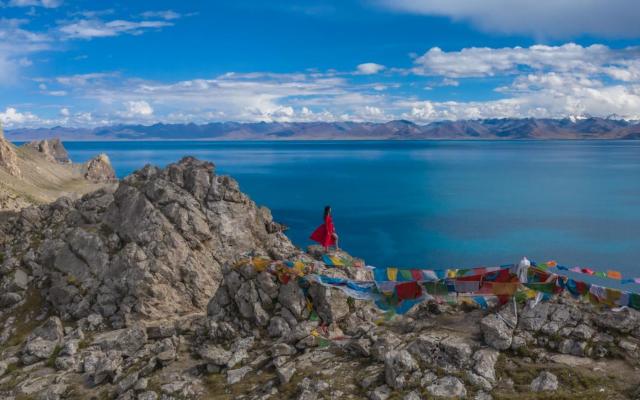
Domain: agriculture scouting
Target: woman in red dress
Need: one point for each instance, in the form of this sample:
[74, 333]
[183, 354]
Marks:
[326, 234]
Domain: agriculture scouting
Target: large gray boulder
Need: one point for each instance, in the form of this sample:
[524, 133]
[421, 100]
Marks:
[128, 340]
[545, 382]
[398, 364]
[624, 321]
[485, 363]
[448, 352]
[331, 305]
[533, 318]
[496, 332]
[447, 387]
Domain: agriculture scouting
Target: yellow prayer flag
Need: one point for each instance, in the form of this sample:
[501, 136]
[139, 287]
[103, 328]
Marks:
[337, 262]
[261, 264]
[298, 266]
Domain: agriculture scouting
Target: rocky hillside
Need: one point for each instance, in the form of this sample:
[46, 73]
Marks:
[175, 285]
[52, 150]
[40, 172]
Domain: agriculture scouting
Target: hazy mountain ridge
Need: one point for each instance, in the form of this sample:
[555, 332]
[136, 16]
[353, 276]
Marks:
[529, 128]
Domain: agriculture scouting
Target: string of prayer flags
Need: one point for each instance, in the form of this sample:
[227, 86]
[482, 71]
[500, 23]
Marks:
[611, 274]
[397, 290]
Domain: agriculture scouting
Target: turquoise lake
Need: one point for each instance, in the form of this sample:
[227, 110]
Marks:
[434, 204]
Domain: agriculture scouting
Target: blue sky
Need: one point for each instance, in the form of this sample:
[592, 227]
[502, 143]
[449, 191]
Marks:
[88, 63]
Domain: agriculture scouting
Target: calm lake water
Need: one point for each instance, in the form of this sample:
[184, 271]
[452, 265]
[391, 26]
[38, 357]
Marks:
[434, 204]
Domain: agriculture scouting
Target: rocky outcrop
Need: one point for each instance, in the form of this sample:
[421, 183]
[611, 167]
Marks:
[153, 247]
[99, 169]
[41, 172]
[8, 157]
[52, 150]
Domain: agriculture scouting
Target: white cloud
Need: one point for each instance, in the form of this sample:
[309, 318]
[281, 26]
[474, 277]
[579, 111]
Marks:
[83, 79]
[537, 96]
[35, 3]
[12, 117]
[95, 28]
[371, 113]
[537, 86]
[138, 108]
[94, 13]
[369, 68]
[57, 93]
[449, 82]
[421, 111]
[540, 18]
[15, 44]
[484, 61]
[65, 112]
[166, 14]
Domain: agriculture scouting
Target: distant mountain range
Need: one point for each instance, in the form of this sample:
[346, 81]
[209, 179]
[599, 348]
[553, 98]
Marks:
[529, 128]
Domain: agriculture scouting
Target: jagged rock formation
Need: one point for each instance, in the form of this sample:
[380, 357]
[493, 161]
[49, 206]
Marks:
[40, 172]
[151, 248]
[8, 157]
[52, 150]
[99, 169]
[134, 292]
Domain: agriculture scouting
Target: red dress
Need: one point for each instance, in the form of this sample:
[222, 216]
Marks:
[324, 233]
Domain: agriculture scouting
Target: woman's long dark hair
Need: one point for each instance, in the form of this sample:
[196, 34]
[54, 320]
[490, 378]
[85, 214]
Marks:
[327, 210]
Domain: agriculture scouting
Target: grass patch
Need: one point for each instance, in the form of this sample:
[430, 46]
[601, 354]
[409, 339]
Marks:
[575, 383]
[84, 343]
[12, 374]
[51, 361]
[13, 367]
[25, 318]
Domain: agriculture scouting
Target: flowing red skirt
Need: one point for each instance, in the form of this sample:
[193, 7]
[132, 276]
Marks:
[323, 237]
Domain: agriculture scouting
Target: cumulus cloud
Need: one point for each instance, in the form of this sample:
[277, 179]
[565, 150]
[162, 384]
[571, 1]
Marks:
[541, 19]
[540, 81]
[485, 61]
[12, 117]
[537, 96]
[139, 108]
[232, 96]
[95, 28]
[369, 68]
